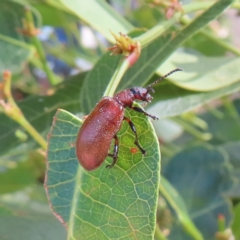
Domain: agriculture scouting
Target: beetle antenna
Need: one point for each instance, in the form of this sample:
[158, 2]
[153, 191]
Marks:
[163, 77]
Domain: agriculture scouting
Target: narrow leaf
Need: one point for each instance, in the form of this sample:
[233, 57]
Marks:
[106, 18]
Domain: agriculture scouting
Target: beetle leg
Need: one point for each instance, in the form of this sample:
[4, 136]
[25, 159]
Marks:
[138, 109]
[115, 153]
[132, 126]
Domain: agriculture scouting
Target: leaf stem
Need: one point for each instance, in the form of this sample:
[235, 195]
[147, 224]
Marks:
[50, 75]
[115, 80]
[193, 131]
[32, 33]
[156, 31]
[11, 109]
[230, 107]
[169, 193]
[214, 111]
[194, 119]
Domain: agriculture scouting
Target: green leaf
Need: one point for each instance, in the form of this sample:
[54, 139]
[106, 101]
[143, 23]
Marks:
[105, 203]
[19, 177]
[14, 51]
[105, 20]
[177, 203]
[14, 54]
[201, 176]
[236, 221]
[174, 101]
[96, 81]
[217, 127]
[31, 228]
[11, 14]
[202, 73]
[40, 110]
[61, 18]
[151, 57]
[31, 219]
[233, 151]
[159, 50]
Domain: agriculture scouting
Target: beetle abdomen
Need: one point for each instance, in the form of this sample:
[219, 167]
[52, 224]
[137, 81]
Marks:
[97, 131]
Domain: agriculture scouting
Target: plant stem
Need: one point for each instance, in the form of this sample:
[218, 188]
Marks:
[50, 75]
[230, 107]
[158, 234]
[11, 109]
[171, 195]
[214, 111]
[32, 32]
[119, 72]
[193, 131]
[194, 119]
[32, 131]
[155, 32]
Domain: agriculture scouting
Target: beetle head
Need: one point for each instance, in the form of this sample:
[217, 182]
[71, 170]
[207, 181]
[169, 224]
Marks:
[142, 94]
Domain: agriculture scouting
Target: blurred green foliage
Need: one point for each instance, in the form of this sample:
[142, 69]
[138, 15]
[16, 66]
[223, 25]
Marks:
[198, 130]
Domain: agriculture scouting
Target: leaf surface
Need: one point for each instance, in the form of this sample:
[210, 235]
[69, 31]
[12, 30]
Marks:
[105, 203]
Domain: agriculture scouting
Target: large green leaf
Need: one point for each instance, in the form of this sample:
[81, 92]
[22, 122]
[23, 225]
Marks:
[202, 73]
[97, 13]
[105, 203]
[60, 19]
[201, 176]
[151, 57]
[39, 111]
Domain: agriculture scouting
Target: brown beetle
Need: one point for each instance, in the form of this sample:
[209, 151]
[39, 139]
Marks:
[102, 124]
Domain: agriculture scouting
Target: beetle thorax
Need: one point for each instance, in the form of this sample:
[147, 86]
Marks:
[125, 98]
